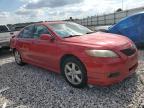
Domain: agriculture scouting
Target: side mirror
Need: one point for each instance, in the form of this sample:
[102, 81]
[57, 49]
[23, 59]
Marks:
[46, 37]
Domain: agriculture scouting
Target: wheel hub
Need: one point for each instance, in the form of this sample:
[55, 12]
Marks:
[73, 73]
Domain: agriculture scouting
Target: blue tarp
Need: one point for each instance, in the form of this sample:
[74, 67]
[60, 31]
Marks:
[132, 27]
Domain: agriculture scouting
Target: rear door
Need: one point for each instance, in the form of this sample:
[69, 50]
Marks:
[24, 42]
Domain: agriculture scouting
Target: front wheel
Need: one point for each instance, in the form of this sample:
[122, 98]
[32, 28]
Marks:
[18, 58]
[74, 72]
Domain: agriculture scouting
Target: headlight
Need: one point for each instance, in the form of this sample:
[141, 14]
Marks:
[101, 53]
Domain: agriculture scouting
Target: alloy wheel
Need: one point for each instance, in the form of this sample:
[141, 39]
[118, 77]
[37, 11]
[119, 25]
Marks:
[73, 73]
[17, 57]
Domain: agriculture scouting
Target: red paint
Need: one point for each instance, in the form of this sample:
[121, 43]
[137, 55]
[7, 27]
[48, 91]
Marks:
[48, 54]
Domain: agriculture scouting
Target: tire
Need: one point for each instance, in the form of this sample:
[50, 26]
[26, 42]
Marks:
[74, 72]
[18, 58]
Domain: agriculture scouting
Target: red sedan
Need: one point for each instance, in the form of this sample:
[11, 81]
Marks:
[80, 55]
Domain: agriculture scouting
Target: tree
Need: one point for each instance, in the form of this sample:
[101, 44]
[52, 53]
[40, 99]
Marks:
[119, 10]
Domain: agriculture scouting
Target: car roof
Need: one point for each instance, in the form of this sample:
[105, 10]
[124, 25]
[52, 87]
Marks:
[48, 22]
[52, 22]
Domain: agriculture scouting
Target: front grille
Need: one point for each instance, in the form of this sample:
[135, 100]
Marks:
[113, 75]
[129, 51]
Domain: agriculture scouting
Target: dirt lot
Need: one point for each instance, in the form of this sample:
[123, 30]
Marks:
[33, 87]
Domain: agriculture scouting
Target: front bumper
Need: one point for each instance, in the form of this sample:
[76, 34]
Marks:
[99, 70]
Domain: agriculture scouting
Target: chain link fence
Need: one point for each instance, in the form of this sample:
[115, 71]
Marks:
[107, 19]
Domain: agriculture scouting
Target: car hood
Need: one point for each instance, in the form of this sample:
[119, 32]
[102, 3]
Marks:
[100, 39]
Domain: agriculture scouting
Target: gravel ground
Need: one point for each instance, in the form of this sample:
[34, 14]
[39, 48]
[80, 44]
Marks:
[33, 87]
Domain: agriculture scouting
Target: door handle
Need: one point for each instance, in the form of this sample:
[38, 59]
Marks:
[35, 42]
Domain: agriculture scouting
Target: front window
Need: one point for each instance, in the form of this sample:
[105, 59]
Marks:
[39, 30]
[69, 29]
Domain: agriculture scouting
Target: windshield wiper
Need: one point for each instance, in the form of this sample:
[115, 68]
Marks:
[72, 36]
[90, 32]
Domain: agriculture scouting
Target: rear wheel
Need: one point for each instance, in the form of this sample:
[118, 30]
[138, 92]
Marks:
[18, 58]
[74, 72]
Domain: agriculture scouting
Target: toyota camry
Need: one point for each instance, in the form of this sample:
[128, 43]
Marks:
[80, 55]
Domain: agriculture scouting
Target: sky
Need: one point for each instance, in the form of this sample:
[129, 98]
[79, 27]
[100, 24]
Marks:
[19, 11]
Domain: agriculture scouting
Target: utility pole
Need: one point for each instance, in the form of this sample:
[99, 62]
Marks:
[122, 5]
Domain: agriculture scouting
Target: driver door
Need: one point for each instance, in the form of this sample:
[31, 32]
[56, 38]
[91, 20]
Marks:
[44, 52]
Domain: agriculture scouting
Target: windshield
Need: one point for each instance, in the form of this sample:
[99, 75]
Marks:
[69, 29]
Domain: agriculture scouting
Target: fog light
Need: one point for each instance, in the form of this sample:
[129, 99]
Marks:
[113, 75]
